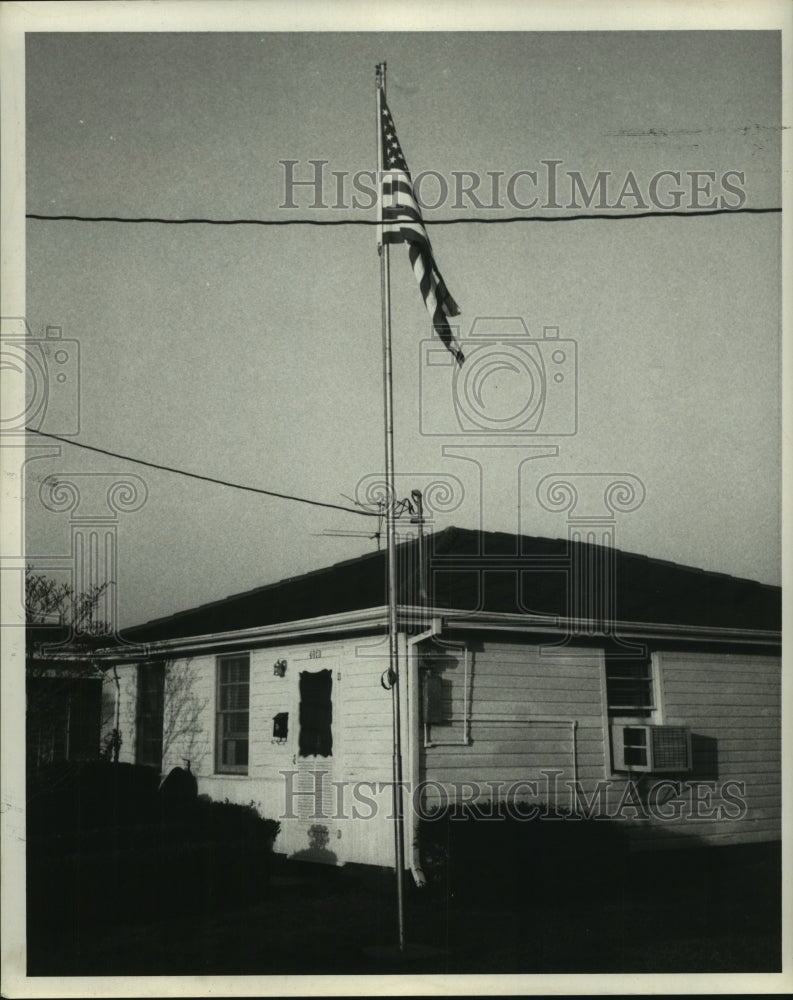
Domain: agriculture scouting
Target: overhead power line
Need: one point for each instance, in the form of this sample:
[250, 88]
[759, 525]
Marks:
[206, 479]
[580, 217]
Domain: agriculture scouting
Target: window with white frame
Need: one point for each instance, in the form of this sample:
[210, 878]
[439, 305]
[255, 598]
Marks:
[629, 686]
[233, 700]
[639, 742]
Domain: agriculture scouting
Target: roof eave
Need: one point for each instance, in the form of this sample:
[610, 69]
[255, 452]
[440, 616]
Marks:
[582, 627]
[373, 619]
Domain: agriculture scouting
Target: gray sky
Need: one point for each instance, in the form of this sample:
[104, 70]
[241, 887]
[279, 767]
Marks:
[254, 354]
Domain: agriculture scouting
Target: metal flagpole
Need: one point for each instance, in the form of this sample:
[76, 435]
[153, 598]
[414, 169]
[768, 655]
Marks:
[393, 651]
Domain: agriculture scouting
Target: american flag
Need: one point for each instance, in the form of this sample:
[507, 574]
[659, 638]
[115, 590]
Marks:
[402, 223]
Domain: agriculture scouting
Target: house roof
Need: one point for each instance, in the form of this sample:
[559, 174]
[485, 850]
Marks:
[470, 570]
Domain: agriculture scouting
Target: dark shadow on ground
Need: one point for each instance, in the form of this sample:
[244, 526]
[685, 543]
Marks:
[110, 851]
[563, 907]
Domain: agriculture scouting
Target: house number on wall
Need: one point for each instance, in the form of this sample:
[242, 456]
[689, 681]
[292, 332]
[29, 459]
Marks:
[314, 654]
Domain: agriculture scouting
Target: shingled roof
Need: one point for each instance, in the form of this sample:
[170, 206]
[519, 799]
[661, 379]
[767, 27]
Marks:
[493, 572]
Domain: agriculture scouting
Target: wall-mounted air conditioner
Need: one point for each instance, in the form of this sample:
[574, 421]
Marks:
[656, 749]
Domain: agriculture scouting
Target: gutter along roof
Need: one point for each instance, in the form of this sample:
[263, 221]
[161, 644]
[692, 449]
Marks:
[480, 579]
[416, 619]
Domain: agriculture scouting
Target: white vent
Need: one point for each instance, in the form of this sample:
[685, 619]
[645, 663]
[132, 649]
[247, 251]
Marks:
[657, 749]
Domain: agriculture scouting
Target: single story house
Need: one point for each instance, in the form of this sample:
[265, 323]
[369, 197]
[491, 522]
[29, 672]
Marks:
[533, 673]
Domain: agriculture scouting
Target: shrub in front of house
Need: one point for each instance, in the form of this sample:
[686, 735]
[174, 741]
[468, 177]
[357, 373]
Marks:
[71, 799]
[103, 844]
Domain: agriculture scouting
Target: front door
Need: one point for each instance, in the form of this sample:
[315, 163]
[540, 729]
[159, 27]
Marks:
[314, 760]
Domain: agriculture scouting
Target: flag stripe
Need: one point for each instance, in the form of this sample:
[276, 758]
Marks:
[402, 222]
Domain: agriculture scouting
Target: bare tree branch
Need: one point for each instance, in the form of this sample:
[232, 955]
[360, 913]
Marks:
[182, 709]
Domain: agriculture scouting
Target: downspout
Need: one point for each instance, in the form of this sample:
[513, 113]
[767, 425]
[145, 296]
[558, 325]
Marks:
[413, 742]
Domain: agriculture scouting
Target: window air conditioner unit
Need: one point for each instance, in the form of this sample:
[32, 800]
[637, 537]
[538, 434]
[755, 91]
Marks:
[655, 749]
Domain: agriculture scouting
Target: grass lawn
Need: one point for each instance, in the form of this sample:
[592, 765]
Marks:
[703, 910]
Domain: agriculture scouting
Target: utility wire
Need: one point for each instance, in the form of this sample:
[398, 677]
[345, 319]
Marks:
[582, 217]
[206, 479]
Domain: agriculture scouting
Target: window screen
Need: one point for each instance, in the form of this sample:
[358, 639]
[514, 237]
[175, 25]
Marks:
[316, 714]
[629, 685]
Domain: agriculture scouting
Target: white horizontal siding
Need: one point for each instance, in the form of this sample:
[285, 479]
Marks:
[367, 738]
[362, 741]
[733, 700]
[514, 690]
